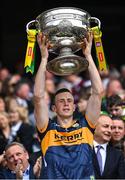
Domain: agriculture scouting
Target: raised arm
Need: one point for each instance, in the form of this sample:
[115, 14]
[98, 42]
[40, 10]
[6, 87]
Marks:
[94, 102]
[40, 105]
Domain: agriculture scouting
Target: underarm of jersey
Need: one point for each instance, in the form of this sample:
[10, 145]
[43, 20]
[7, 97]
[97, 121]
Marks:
[43, 129]
[89, 122]
[53, 138]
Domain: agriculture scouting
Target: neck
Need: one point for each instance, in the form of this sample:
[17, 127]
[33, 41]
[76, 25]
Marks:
[100, 141]
[65, 122]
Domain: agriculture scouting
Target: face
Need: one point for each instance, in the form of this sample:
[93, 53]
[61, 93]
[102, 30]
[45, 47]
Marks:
[4, 121]
[64, 105]
[12, 103]
[50, 86]
[115, 110]
[114, 87]
[118, 130]
[103, 129]
[24, 91]
[14, 116]
[16, 154]
[4, 73]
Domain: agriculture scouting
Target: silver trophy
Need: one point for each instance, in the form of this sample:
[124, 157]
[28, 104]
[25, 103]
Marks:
[65, 28]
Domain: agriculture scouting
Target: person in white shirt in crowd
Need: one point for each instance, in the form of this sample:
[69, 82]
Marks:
[107, 160]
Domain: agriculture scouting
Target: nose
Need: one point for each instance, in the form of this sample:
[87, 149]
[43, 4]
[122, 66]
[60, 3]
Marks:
[116, 129]
[65, 102]
[114, 112]
[15, 157]
[110, 129]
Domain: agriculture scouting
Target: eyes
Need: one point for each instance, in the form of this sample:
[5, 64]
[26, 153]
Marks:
[11, 158]
[114, 109]
[107, 126]
[65, 100]
[115, 127]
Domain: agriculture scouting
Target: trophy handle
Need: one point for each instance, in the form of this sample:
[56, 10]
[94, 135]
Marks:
[96, 20]
[29, 24]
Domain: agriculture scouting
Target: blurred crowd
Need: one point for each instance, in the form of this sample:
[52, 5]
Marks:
[17, 122]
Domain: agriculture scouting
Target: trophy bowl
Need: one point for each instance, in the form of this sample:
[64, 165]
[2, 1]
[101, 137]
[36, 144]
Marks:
[65, 27]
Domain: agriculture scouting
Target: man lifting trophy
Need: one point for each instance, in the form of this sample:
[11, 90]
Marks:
[66, 141]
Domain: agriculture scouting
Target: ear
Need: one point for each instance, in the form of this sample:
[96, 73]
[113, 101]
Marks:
[27, 155]
[53, 108]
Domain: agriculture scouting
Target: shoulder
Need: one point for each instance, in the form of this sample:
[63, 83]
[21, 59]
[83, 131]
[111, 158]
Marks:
[6, 174]
[26, 126]
[114, 151]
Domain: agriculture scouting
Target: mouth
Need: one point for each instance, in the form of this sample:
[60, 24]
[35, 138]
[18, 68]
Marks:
[18, 162]
[66, 109]
[116, 136]
[108, 135]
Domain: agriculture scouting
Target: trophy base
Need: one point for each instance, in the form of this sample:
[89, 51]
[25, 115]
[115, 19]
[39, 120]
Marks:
[67, 65]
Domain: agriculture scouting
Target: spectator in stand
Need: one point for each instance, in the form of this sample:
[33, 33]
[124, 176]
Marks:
[108, 161]
[14, 79]
[10, 102]
[17, 162]
[4, 131]
[8, 85]
[24, 96]
[4, 74]
[21, 130]
[114, 73]
[118, 133]
[113, 87]
[115, 106]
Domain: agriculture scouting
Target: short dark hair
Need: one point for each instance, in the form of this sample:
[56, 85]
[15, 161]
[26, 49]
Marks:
[114, 100]
[117, 118]
[62, 90]
[59, 91]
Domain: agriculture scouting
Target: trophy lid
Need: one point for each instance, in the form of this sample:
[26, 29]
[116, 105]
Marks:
[53, 17]
[63, 10]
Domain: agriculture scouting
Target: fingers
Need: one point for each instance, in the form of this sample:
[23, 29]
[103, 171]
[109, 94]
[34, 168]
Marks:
[88, 39]
[90, 36]
[42, 39]
[19, 170]
[39, 160]
[2, 157]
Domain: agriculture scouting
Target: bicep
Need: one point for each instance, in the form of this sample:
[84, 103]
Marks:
[93, 108]
[41, 114]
